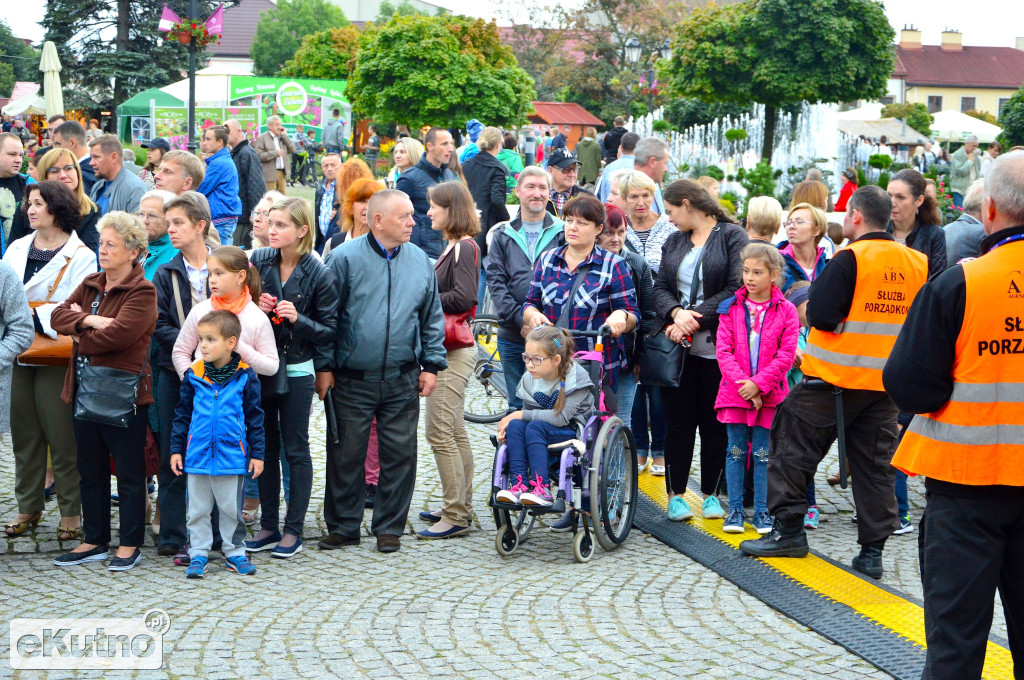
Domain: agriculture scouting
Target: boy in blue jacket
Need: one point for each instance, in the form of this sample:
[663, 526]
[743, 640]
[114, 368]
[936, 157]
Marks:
[218, 430]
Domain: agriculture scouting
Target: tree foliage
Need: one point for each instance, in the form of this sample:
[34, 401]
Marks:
[22, 59]
[687, 112]
[329, 55]
[136, 59]
[444, 70]
[914, 115]
[6, 78]
[781, 52]
[280, 31]
[1012, 120]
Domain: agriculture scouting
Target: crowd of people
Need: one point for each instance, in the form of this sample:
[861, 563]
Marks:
[183, 331]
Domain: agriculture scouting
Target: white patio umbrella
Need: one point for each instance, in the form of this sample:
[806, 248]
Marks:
[50, 66]
[953, 126]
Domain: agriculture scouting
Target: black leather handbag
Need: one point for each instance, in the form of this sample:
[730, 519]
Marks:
[108, 396]
[662, 361]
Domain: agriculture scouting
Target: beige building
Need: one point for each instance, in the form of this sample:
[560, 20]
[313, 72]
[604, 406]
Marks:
[952, 76]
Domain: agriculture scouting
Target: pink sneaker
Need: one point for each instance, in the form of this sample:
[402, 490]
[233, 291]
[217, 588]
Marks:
[539, 495]
[512, 495]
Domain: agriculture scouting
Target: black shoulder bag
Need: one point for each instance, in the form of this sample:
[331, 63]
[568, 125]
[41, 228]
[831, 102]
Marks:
[662, 361]
[108, 396]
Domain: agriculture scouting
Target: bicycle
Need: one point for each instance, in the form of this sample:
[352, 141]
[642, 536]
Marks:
[309, 172]
[486, 397]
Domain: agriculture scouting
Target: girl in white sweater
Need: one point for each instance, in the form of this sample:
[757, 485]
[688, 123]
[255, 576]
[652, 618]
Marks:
[234, 286]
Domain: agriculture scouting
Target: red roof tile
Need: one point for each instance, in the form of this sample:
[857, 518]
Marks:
[994, 67]
[563, 113]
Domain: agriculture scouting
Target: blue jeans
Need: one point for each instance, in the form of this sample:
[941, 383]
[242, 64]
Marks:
[740, 438]
[648, 407]
[958, 200]
[334, 149]
[226, 229]
[528, 447]
[625, 392]
[513, 368]
[481, 289]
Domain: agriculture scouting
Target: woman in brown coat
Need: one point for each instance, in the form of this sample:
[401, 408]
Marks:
[115, 334]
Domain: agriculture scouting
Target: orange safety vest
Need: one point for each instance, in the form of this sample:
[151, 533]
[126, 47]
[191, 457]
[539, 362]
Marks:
[889, 275]
[977, 438]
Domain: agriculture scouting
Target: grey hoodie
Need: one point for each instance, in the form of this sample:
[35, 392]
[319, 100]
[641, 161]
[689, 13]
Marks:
[579, 399]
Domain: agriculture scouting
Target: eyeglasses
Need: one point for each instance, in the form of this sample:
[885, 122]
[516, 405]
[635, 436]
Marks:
[148, 217]
[571, 170]
[533, 361]
[797, 223]
[261, 213]
[55, 170]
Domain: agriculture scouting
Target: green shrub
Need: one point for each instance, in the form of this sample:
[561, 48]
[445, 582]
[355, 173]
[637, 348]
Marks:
[883, 179]
[714, 171]
[880, 161]
[662, 126]
[862, 179]
[759, 181]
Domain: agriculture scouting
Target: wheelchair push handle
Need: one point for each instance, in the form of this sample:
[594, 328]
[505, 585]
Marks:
[601, 333]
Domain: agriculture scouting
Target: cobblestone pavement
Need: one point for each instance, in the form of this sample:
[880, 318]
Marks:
[448, 608]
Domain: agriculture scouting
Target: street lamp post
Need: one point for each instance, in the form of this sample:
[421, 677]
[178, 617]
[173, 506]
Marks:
[633, 51]
[193, 15]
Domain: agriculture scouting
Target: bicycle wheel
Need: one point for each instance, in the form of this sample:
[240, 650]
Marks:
[310, 174]
[614, 480]
[486, 400]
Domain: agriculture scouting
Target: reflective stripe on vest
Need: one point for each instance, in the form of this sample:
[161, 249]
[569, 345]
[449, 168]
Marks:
[888, 277]
[977, 437]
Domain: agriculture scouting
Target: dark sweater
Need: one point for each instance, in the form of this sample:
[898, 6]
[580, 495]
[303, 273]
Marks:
[930, 240]
[458, 281]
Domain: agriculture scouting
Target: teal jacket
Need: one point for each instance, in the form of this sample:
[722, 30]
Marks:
[158, 252]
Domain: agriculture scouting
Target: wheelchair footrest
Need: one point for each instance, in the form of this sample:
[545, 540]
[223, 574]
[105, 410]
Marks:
[501, 505]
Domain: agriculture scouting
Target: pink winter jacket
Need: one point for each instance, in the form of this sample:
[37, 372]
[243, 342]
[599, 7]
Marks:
[779, 332]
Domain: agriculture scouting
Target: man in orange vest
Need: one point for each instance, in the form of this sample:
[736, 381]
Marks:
[959, 364]
[856, 308]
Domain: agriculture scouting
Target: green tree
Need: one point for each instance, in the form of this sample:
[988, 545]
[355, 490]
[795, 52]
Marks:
[782, 52]
[329, 55]
[6, 78]
[914, 115]
[687, 112]
[1012, 119]
[280, 31]
[438, 71]
[23, 59]
[981, 115]
[137, 58]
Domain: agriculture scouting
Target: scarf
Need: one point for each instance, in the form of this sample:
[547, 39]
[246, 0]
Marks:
[221, 375]
[236, 306]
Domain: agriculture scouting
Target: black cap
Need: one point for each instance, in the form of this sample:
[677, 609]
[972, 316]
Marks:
[562, 158]
[157, 143]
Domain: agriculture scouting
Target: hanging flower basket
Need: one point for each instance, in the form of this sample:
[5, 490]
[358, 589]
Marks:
[187, 31]
[183, 37]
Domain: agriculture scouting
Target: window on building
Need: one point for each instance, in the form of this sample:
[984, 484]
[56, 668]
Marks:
[968, 104]
[1002, 103]
[886, 100]
[934, 104]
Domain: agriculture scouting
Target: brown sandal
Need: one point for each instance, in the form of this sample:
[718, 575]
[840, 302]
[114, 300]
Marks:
[69, 533]
[18, 528]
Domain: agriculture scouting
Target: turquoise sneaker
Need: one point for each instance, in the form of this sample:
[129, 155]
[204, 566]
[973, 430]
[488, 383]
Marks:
[712, 509]
[811, 518]
[678, 510]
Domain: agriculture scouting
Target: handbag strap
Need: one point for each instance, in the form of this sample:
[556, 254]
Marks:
[581, 273]
[60, 275]
[177, 300]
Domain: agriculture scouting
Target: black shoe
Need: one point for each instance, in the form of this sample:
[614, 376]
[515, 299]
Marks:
[387, 543]
[167, 549]
[335, 541]
[783, 541]
[371, 494]
[869, 561]
[125, 563]
[97, 554]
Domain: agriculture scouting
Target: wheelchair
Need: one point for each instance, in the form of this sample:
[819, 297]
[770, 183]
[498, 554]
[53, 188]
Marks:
[596, 476]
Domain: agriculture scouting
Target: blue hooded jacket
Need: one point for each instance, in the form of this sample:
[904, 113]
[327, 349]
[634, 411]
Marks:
[473, 128]
[218, 427]
[220, 185]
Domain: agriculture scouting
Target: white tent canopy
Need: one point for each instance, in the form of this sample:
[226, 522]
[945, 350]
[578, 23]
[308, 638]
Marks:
[212, 85]
[953, 126]
[867, 112]
[30, 103]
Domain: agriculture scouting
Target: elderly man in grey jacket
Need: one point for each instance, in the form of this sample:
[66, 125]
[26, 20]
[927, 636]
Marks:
[389, 349]
[964, 235]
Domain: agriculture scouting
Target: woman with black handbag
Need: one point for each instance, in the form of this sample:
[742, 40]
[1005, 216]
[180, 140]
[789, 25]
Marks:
[700, 268]
[111, 317]
[453, 213]
[300, 296]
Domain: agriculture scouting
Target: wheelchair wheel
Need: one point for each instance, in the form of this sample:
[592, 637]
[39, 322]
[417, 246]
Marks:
[506, 540]
[582, 547]
[522, 520]
[613, 481]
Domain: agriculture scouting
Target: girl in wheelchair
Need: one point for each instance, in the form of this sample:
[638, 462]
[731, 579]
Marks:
[558, 398]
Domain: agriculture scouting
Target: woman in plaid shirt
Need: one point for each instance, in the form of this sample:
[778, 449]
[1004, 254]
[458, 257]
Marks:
[606, 295]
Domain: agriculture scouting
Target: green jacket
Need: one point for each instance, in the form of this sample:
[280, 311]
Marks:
[588, 151]
[960, 170]
[514, 162]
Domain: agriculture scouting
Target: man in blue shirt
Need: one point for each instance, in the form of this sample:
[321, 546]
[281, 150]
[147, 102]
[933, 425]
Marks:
[627, 144]
[220, 184]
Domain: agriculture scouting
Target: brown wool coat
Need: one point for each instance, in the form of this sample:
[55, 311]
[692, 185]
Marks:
[125, 343]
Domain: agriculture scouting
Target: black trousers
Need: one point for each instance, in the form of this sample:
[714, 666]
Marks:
[286, 418]
[396, 406]
[805, 426]
[97, 444]
[171, 496]
[968, 548]
[687, 408]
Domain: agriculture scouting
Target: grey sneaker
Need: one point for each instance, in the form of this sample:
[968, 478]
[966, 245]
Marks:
[762, 522]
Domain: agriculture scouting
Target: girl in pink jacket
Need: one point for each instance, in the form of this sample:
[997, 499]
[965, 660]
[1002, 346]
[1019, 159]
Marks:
[757, 338]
